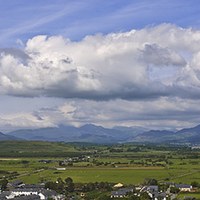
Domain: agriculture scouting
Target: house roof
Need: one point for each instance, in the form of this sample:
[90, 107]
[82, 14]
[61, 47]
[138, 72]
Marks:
[121, 192]
[14, 183]
[48, 193]
[118, 193]
[126, 189]
[183, 185]
[4, 194]
[150, 188]
[25, 190]
[30, 197]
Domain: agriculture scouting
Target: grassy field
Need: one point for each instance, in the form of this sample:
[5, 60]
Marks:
[128, 164]
[125, 176]
[182, 195]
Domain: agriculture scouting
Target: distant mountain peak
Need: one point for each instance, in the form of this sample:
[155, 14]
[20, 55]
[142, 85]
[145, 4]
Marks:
[99, 134]
[90, 125]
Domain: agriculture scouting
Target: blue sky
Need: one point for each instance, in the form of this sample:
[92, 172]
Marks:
[76, 19]
[128, 63]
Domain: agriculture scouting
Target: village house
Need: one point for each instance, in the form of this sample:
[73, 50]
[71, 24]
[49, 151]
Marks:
[184, 187]
[121, 193]
[20, 191]
[33, 186]
[163, 196]
[15, 184]
[152, 190]
[30, 194]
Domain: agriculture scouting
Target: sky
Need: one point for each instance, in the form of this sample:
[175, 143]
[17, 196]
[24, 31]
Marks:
[109, 63]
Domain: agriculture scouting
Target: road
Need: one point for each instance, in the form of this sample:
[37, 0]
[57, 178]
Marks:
[39, 170]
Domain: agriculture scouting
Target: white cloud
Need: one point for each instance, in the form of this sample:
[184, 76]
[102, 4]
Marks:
[117, 65]
[98, 67]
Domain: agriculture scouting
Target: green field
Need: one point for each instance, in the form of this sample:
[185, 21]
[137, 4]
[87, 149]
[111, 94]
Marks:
[127, 164]
[125, 176]
[182, 195]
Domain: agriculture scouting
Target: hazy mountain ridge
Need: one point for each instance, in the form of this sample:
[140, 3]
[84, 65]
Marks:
[4, 137]
[99, 134]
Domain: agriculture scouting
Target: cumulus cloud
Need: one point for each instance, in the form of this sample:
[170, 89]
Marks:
[114, 66]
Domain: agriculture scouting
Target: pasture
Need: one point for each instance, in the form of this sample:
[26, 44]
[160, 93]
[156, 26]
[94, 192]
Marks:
[127, 164]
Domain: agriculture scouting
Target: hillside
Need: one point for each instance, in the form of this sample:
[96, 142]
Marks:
[4, 137]
[99, 134]
[86, 133]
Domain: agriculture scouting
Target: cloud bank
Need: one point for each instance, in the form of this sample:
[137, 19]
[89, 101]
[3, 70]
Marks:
[104, 67]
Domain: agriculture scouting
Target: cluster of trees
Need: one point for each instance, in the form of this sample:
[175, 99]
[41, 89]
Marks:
[40, 154]
[149, 181]
[98, 163]
[174, 190]
[60, 186]
[133, 149]
[195, 184]
[149, 162]
[88, 187]
[4, 184]
[69, 186]
[116, 150]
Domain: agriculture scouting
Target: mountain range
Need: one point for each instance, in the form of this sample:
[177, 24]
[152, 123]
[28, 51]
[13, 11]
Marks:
[99, 134]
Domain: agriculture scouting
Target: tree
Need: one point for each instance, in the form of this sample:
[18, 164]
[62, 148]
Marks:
[133, 197]
[174, 190]
[195, 184]
[104, 196]
[101, 185]
[70, 164]
[70, 184]
[60, 163]
[144, 196]
[149, 181]
[60, 180]
[160, 197]
[51, 185]
[4, 184]
[91, 186]
[68, 180]
[59, 187]
[70, 187]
